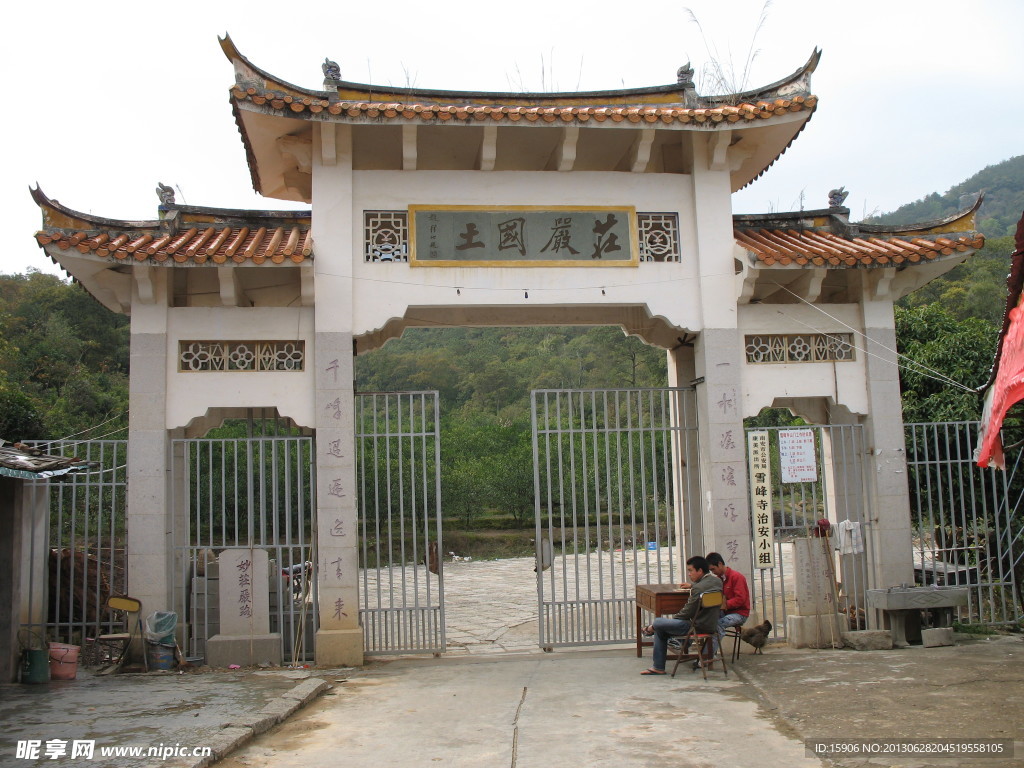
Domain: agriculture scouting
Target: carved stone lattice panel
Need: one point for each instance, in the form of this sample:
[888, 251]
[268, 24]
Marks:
[241, 355]
[659, 236]
[800, 348]
[386, 235]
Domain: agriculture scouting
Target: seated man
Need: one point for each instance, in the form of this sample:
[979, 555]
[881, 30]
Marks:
[737, 597]
[705, 619]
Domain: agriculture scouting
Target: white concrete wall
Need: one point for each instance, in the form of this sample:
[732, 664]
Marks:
[383, 291]
[191, 393]
[844, 382]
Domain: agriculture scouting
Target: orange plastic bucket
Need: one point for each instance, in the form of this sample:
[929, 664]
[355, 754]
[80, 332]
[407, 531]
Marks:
[63, 661]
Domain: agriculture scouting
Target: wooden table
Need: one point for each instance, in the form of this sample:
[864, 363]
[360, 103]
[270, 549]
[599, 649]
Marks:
[657, 599]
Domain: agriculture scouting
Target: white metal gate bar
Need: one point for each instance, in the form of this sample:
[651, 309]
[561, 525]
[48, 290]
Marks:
[966, 530]
[77, 556]
[838, 495]
[608, 490]
[398, 464]
[245, 493]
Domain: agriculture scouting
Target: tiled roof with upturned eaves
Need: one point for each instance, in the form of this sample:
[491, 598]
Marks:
[186, 234]
[826, 238]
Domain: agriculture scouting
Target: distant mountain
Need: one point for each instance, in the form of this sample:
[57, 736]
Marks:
[1003, 186]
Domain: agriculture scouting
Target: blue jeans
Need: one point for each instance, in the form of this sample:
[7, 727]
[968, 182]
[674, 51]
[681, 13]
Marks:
[725, 621]
[663, 630]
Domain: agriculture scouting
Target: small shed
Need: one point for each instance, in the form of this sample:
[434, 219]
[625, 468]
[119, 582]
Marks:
[19, 464]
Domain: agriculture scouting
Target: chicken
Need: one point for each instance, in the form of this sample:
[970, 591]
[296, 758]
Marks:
[757, 636]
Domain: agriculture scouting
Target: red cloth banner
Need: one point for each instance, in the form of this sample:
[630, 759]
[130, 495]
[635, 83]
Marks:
[1006, 387]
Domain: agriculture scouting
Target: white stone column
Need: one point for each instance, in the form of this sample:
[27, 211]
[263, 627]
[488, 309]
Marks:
[340, 638]
[718, 361]
[149, 522]
[686, 459]
[726, 513]
[886, 463]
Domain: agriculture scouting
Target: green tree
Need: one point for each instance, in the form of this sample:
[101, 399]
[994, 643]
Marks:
[65, 358]
[976, 288]
[943, 346]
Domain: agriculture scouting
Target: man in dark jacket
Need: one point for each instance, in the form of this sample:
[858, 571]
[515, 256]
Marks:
[705, 619]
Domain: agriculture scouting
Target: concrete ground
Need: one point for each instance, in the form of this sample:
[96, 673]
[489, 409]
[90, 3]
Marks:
[592, 708]
[495, 700]
[204, 707]
[570, 707]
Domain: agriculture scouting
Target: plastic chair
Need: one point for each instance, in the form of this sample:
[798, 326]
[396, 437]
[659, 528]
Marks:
[712, 601]
[119, 642]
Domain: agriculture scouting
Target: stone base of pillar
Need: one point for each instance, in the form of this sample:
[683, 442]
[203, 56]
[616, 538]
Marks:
[819, 631]
[244, 650]
[339, 648]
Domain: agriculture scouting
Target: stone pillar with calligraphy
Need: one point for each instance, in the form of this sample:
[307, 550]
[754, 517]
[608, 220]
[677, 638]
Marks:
[339, 639]
[245, 637]
[718, 352]
[726, 514]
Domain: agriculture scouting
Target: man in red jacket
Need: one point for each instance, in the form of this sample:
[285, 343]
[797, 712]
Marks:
[737, 596]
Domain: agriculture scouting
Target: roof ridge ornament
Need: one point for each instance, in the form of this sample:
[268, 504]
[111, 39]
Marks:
[684, 76]
[165, 193]
[332, 72]
[836, 197]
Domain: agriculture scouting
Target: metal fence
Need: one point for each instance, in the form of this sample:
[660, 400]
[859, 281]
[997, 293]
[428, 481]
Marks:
[966, 521]
[838, 495]
[398, 464]
[75, 556]
[611, 477]
[245, 493]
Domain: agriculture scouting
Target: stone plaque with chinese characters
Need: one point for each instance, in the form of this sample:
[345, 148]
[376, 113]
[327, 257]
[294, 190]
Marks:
[523, 236]
[762, 523]
[244, 592]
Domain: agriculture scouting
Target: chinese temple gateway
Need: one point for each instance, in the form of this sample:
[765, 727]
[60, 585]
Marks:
[445, 208]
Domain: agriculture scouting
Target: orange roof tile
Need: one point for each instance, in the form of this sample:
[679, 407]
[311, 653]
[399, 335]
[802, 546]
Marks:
[826, 238]
[817, 248]
[461, 112]
[214, 244]
[186, 234]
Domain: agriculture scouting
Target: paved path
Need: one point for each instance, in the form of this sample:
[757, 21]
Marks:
[577, 708]
[491, 605]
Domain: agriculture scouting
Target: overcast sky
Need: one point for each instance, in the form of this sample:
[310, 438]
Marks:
[105, 99]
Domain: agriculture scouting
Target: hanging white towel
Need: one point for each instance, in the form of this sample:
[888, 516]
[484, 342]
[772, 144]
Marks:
[851, 542]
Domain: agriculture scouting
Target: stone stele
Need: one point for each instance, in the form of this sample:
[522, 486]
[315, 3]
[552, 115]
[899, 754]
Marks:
[245, 638]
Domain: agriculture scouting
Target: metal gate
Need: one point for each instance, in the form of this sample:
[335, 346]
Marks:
[966, 525]
[398, 466]
[837, 494]
[611, 479]
[75, 555]
[245, 493]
